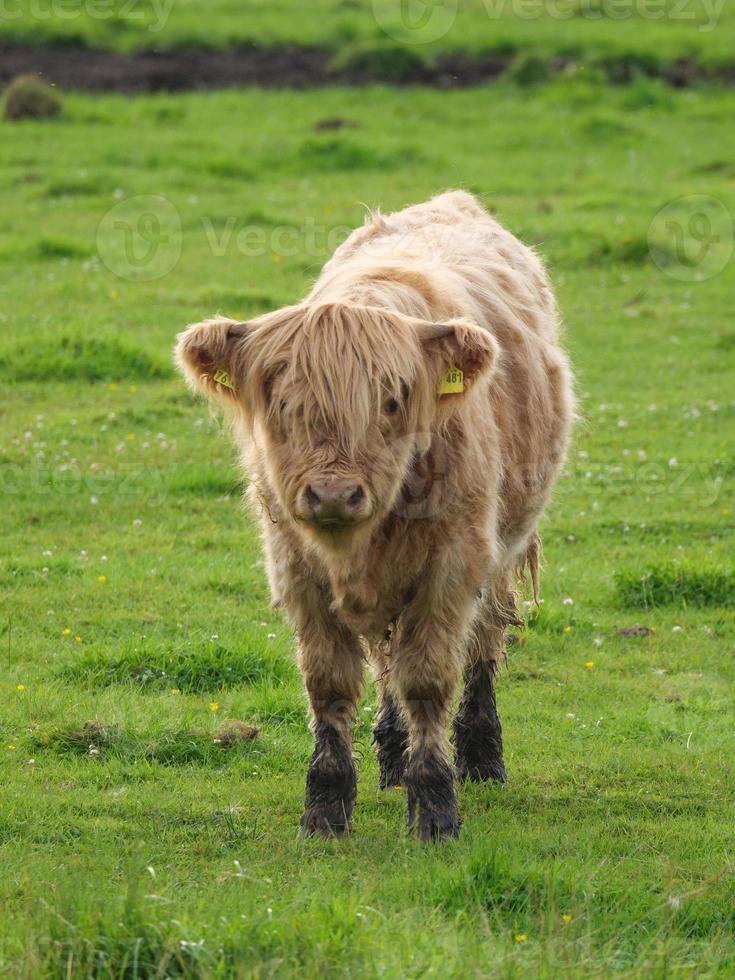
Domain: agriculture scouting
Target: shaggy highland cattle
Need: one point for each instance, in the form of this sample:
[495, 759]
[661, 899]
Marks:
[402, 428]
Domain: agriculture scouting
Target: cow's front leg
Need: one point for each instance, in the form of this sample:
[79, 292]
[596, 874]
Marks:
[424, 673]
[331, 663]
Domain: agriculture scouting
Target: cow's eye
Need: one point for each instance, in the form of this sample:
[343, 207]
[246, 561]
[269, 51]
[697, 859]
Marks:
[391, 406]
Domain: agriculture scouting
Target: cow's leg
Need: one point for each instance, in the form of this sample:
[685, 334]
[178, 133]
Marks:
[424, 673]
[331, 662]
[478, 736]
[390, 733]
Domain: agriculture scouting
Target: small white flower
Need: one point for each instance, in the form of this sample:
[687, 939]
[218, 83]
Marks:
[93, 500]
[673, 462]
[597, 641]
[674, 902]
[622, 424]
[137, 522]
[677, 629]
[568, 601]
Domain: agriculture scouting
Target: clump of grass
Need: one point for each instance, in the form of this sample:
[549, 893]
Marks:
[193, 670]
[341, 154]
[393, 64]
[27, 97]
[666, 585]
[512, 895]
[170, 747]
[531, 70]
[74, 356]
[55, 248]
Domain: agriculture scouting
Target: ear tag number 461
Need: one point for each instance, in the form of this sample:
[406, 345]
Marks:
[452, 382]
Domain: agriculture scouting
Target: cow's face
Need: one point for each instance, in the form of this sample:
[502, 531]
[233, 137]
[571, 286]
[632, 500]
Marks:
[340, 400]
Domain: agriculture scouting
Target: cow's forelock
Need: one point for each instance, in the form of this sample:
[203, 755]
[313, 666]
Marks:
[328, 378]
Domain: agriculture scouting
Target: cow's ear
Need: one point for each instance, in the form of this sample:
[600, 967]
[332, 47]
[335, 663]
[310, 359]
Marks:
[209, 355]
[459, 354]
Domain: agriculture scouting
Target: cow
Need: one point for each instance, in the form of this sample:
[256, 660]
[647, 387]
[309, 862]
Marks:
[401, 428]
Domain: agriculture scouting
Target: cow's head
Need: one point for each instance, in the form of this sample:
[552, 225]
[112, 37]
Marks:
[339, 399]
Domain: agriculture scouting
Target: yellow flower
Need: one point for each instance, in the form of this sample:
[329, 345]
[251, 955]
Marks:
[567, 629]
[101, 578]
[114, 294]
[113, 385]
[213, 706]
[20, 687]
[176, 690]
[66, 631]
[521, 937]
[131, 436]
[566, 919]
[78, 638]
[10, 745]
[590, 664]
[132, 389]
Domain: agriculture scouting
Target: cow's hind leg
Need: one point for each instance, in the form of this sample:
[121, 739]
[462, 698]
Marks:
[331, 662]
[390, 733]
[478, 736]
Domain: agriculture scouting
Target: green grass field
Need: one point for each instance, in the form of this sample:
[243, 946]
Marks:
[652, 30]
[134, 840]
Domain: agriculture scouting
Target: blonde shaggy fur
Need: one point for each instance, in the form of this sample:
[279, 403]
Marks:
[343, 386]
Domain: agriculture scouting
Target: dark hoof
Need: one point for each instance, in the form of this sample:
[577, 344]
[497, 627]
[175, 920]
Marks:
[432, 800]
[434, 827]
[391, 775]
[331, 786]
[324, 822]
[481, 772]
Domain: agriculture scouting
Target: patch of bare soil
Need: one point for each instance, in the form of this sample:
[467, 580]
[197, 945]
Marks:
[293, 66]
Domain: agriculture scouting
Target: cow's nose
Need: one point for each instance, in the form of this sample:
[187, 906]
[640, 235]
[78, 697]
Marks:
[334, 502]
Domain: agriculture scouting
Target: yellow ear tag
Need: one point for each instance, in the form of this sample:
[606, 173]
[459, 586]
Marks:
[452, 382]
[221, 376]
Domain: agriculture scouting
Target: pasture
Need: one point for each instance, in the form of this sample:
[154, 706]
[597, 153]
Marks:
[647, 31]
[140, 835]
